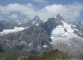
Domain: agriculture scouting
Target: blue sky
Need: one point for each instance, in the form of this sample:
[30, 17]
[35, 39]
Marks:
[6, 2]
[21, 9]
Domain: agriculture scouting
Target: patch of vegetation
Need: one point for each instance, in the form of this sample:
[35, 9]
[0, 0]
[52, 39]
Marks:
[20, 55]
[10, 55]
[53, 55]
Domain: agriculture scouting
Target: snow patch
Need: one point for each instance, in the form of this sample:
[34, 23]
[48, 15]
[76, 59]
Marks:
[37, 24]
[22, 41]
[76, 29]
[30, 44]
[44, 46]
[19, 23]
[45, 20]
[7, 31]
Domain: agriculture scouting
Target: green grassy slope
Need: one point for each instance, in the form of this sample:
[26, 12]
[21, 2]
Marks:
[10, 55]
[52, 55]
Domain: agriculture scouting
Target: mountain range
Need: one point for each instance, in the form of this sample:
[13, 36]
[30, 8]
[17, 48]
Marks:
[38, 36]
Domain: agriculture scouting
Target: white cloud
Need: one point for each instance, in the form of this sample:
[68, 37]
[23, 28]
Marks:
[27, 9]
[41, 1]
[70, 11]
[13, 16]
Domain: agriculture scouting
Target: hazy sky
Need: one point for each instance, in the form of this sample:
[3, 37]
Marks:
[20, 9]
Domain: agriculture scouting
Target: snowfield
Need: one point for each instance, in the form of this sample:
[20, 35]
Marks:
[7, 31]
[66, 40]
[60, 35]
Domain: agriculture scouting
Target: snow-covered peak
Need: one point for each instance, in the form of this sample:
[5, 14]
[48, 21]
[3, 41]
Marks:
[58, 18]
[62, 33]
[64, 38]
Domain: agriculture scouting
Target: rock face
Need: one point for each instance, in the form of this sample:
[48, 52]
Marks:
[33, 38]
[55, 33]
[27, 22]
[1, 27]
[24, 23]
[1, 48]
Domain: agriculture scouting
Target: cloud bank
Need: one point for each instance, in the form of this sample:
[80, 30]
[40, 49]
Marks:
[69, 11]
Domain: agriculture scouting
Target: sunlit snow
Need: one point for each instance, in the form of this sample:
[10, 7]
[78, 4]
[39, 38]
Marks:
[66, 40]
[37, 24]
[44, 46]
[58, 34]
[7, 31]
